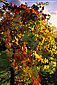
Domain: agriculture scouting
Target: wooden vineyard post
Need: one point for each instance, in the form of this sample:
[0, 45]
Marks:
[12, 76]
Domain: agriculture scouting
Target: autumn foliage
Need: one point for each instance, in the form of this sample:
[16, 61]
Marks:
[29, 38]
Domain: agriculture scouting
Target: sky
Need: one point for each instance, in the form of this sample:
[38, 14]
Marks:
[48, 9]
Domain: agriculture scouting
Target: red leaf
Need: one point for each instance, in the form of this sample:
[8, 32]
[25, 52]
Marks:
[10, 3]
[25, 2]
[39, 78]
[14, 4]
[43, 8]
[20, 62]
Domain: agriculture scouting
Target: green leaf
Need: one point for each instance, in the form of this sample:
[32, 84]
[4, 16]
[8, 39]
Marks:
[29, 81]
[20, 84]
[36, 72]
[39, 63]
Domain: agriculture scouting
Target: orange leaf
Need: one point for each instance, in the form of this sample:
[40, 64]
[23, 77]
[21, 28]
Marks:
[28, 60]
[16, 68]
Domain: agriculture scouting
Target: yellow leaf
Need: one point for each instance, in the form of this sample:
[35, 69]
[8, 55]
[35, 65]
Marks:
[39, 57]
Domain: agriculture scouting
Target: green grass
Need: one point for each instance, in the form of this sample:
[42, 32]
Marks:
[4, 69]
